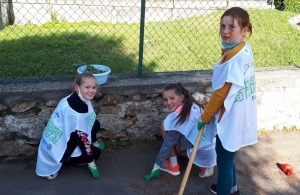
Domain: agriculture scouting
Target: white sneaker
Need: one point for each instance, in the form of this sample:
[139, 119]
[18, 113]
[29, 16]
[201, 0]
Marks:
[206, 172]
[52, 176]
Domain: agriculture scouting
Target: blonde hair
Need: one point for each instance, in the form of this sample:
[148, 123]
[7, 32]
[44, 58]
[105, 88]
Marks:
[80, 79]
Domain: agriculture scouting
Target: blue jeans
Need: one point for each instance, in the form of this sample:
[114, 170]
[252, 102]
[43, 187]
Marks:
[226, 169]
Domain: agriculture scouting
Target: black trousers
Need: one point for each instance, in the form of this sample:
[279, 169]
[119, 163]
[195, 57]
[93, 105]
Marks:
[74, 141]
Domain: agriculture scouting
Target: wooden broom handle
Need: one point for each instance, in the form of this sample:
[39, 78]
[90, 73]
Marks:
[191, 161]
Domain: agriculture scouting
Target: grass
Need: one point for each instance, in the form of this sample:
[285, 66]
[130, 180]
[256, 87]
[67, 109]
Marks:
[112, 145]
[291, 128]
[264, 131]
[188, 44]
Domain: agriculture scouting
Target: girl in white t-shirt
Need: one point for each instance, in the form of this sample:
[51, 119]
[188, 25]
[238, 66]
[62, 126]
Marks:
[179, 131]
[232, 106]
[70, 135]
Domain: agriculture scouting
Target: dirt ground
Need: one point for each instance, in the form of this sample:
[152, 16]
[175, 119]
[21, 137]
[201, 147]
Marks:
[257, 168]
[122, 172]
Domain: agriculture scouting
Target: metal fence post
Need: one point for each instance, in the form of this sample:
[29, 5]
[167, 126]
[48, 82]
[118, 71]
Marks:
[3, 15]
[141, 45]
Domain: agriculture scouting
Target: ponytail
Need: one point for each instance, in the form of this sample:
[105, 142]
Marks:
[188, 101]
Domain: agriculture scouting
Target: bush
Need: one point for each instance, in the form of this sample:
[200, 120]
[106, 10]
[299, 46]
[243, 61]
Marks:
[288, 5]
[279, 4]
[292, 5]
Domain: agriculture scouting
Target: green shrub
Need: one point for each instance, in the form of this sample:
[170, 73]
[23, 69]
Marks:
[54, 16]
[292, 5]
[288, 5]
[279, 4]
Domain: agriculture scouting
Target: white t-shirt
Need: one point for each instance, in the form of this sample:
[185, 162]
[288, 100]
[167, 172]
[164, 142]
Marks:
[56, 134]
[205, 156]
[238, 125]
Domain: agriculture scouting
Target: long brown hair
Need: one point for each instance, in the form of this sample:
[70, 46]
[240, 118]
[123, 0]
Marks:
[188, 101]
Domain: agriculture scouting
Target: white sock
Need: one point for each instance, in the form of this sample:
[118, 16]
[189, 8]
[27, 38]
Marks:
[234, 189]
[173, 160]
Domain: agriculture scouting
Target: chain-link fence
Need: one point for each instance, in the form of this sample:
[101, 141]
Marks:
[52, 37]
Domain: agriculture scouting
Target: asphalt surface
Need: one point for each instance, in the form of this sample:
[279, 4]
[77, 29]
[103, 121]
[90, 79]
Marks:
[122, 172]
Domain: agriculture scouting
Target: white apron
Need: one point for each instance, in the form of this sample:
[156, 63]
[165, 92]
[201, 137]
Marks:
[56, 134]
[238, 126]
[205, 156]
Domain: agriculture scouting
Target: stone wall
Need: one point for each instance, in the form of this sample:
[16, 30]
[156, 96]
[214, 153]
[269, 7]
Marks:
[132, 108]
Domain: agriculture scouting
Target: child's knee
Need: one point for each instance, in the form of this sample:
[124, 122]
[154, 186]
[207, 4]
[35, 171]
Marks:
[180, 151]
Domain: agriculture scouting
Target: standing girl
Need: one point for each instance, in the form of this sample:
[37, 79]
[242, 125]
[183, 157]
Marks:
[70, 135]
[232, 106]
[179, 131]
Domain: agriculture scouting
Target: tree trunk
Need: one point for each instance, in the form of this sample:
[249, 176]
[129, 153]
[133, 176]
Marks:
[10, 13]
[227, 3]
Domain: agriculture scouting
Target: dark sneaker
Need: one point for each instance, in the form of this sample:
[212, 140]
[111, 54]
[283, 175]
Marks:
[213, 189]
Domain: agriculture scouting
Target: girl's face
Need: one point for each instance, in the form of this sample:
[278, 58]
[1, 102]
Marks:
[172, 100]
[230, 30]
[88, 88]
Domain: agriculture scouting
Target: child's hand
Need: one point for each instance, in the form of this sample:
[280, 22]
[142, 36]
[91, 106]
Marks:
[93, 168]
[200, 124]
[155, 173]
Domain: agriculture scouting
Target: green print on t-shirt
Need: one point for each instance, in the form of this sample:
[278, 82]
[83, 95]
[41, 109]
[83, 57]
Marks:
[92, 118]
[52, 132]
[203, 135]
[246, 92]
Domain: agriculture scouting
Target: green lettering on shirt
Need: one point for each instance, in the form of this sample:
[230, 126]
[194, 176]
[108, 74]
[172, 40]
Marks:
[247, 91]
[52, 132]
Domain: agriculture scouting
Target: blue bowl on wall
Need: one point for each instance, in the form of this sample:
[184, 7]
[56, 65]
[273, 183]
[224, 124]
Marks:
[100, 77]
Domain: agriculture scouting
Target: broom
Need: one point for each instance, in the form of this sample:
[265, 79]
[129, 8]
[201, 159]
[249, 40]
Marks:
[191, 161]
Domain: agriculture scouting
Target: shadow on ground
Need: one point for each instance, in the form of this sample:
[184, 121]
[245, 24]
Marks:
[122, 172]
